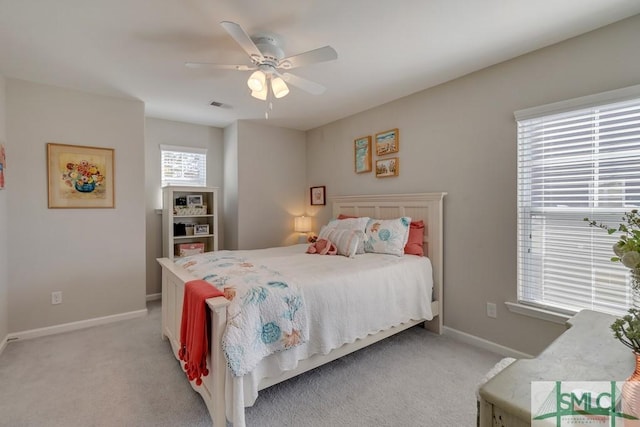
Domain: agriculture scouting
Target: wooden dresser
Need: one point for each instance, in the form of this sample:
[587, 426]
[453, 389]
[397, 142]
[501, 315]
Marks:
[587, 351]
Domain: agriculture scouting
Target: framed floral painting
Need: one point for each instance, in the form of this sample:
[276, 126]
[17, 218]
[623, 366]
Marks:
[80, 176]
[318, 195]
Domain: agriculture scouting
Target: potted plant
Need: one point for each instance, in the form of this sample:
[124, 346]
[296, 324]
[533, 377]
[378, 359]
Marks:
[627, 330]
[627, 248]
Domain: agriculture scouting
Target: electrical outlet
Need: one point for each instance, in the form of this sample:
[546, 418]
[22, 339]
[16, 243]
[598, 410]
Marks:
[492, 310]
[56, 297]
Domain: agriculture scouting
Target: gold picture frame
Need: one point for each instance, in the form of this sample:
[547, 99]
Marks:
[362, 154]
[387, 167]
[387, 142]
[80, 176]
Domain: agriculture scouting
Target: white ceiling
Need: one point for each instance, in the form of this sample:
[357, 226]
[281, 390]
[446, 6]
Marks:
[386, 49]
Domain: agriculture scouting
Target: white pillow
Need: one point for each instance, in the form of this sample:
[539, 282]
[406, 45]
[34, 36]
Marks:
[387, 236]
[346, 241]
[359, 223]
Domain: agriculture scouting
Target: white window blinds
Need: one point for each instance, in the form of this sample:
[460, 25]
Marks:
[184, 166]
[573, 163]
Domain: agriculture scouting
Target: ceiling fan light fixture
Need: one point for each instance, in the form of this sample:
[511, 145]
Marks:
[257, 81]
[260, 94]
[279, 87]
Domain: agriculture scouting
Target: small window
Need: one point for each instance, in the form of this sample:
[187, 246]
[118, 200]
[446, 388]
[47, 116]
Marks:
[184, 166]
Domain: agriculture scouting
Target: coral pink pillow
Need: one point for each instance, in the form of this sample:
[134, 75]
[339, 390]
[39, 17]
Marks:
[341, 216]
[414, 244]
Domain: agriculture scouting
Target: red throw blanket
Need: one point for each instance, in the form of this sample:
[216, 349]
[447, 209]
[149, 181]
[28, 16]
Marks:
[194, 343]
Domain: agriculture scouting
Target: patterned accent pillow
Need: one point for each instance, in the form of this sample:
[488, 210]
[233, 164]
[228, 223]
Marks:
[347, 241]
[387, 236]
[351, 223]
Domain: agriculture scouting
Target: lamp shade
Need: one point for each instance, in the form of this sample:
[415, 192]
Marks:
[256, 81]
[261, 94]
[279, 87]
[302, 224]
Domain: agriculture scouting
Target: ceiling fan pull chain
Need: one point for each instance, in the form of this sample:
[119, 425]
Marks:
[269, 103]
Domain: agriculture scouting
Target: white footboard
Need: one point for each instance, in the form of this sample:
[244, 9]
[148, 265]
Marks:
[212, 387]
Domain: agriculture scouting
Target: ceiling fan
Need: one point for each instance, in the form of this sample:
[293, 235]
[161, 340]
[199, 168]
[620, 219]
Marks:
[270, 65]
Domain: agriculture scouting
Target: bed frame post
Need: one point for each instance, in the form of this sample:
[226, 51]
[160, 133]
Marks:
[218, 367]
[435, 247]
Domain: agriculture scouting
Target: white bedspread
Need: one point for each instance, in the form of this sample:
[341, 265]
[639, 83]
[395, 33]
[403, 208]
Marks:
[345, 298]
[266, 314]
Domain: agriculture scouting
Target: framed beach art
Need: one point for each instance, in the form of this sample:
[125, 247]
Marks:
[362, 154]
[387, 167]
[387, 142]
[80, 176]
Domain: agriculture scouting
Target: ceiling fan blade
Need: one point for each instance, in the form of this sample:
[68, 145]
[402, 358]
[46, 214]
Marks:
[321, 54]
[304, 84]
[220, 66]
[243, 39]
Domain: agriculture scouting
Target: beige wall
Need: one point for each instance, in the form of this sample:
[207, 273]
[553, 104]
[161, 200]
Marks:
[230, 136]
[460, 137]
[270, 184]
[157, 132]
[4, 275]
[96, 257]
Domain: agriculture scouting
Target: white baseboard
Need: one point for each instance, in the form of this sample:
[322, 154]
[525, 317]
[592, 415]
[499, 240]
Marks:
[154, 297]
[485, 344]
[73, 326]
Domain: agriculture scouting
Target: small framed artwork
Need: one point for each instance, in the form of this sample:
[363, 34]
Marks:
[3, 165]
[80, 176]
[194, 200]
[387, 142]
[362, 154]
[199, 229]
[318, 195]
[387, 167]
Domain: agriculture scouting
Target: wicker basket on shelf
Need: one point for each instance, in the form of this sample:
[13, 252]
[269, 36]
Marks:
[190, 210]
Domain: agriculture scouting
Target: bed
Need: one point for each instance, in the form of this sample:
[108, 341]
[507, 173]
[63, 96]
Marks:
[226, 395]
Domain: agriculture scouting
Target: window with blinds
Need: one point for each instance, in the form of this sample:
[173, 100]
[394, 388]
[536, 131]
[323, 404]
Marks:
[576, 159]
[183, 166]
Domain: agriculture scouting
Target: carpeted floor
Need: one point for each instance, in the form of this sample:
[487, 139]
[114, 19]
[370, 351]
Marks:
[124, 374]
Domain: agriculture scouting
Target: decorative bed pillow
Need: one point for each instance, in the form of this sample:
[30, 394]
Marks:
[415, 242]
[346, 241]
[322, 247]
[387, 236]
[351, 223]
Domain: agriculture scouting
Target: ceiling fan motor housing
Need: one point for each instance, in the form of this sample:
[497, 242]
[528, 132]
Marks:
[271, 51]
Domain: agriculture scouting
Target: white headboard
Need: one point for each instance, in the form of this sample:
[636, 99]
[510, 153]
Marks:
[418, 206]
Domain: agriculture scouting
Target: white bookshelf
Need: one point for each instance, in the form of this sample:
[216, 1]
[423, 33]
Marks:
[200, 221]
